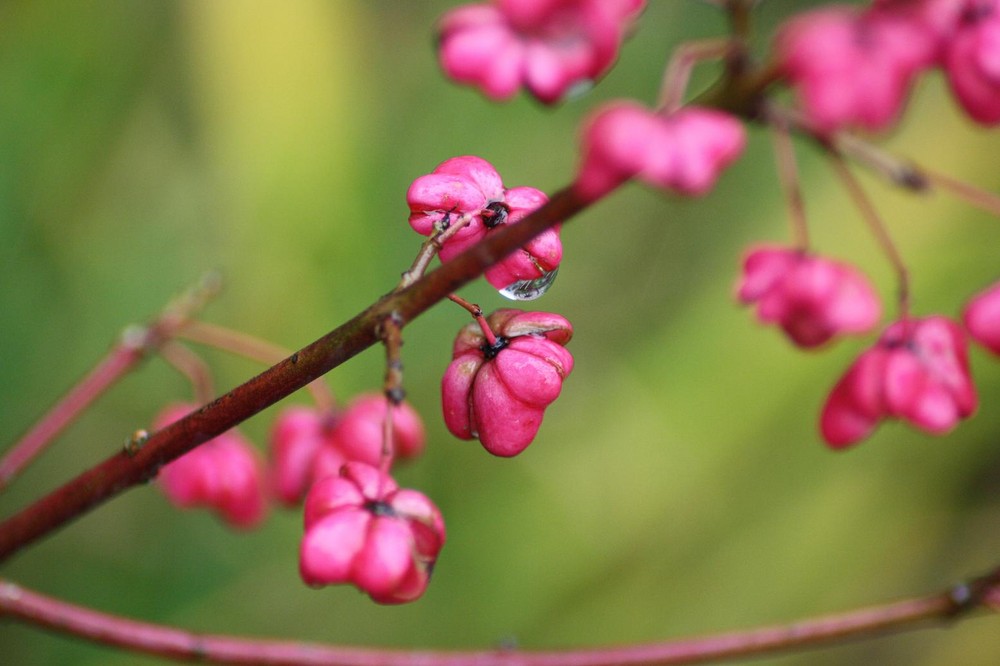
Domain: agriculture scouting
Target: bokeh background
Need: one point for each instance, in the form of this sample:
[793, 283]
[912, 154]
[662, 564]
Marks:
[678, 486]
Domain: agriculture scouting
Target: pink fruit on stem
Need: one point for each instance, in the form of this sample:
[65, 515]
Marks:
[224, 474]
[684, 151]
[813, 299]
[361, 528]
[918, 371]
[497, 392]
[547, 46]
[471, 186]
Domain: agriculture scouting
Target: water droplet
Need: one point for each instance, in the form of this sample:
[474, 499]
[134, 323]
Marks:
[529, 290]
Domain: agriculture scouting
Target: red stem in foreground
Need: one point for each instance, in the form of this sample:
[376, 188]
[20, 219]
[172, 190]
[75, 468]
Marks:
[129, 468]
[49, 613]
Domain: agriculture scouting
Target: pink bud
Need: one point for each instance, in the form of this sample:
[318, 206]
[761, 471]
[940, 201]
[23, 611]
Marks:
[918, 371]
[982, 318]
[684, 151]
[972, 61]
[224, 473]
[499, 392]
[360, 528]
[548, 46]
[470, 185]
[811, 298]
[853, 68]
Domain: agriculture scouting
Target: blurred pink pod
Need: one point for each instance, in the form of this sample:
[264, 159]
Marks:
[981, 317]
[224, 474]
[918, 371]
[471, 186]
[684, 151]
[360, 431]
[972, 60]
[307, 445]
[361, 528]
[547, 46]
[853, 68]
[813, 299]
[498, 392]
[298, 435]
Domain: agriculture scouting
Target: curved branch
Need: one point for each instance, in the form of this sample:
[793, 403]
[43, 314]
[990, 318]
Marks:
[129, 468]
[910, 614]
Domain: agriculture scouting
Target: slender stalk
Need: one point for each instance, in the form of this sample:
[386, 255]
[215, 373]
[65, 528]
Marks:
[134, 345]
[248, 346]
[788, 176]
[678, 72]
[122, 471]
[191, 366]
[907, 615]
[431, 246]
[477, 314]
[982, 199]
[898, 171]
[392, 338]
[878, 228]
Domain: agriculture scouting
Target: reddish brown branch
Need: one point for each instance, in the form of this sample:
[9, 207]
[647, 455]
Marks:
[122, 471]
[910, 614]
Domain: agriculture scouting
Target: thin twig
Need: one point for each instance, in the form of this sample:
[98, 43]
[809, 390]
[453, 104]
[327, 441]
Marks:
[251, 347]
[788, 176]
[193, 367]
[907, 615]
[445, 229]
[134, 345]
[878, 228]
[678, 71]
[980, 198]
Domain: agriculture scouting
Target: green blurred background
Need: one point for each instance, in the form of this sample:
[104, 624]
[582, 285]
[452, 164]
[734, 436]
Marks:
[679, 485]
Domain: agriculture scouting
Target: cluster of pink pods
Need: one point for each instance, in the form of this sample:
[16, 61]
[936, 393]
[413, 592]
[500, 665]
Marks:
[854, 67]
[360, 527]
[918, 370]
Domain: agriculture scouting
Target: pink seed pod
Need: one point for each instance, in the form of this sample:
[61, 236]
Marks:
[918, 371]
[939, 18]
[981, 317]
[361, 528]
[547, 46]
[470, 185]
[852, 68]
[684, 151]
[498, 392]
[297, 436]
[359, 433]
[972, 61]
[811, 298]
[224, 473]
